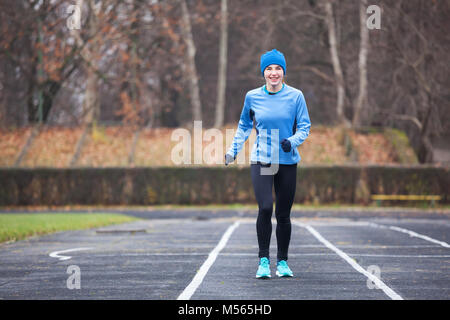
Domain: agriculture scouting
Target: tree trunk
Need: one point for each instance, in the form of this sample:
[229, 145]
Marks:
[91, 106]
[361, 100]
[50, 90]
[191, 69]
[425, 153]
[31, 104]
[222, 77]
[338, 74]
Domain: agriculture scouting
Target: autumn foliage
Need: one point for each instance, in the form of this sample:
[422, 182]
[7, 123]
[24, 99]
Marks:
[122, 146]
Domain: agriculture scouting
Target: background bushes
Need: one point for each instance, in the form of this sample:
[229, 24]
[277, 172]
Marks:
[199, 185]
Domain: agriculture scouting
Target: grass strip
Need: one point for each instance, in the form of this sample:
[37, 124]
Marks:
[19, 226]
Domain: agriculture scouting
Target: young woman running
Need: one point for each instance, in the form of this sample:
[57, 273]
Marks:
[282, 120]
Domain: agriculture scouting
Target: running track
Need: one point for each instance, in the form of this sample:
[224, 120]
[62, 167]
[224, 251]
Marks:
[191, 255]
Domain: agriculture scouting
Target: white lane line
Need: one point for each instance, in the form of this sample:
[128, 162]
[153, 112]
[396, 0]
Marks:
[412, 234]
[356, 255]
[380, 284]
[273, 247]
[56, 254]
[243, 254]
[195, 283]
[401, 255]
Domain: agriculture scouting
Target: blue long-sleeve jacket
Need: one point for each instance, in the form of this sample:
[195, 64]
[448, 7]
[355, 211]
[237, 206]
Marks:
[283, 115]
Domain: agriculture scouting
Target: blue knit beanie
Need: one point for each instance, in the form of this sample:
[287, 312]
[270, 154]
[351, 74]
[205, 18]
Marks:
[272, 57]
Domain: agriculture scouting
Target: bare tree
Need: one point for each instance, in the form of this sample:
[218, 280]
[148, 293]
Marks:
[417, 81]
[191, 69]
[41, 58]
[361, 100]
[338, 74]
[91, 103]
[222, 77]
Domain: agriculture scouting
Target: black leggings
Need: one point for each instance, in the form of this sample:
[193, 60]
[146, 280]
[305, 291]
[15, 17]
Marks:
[284, 181]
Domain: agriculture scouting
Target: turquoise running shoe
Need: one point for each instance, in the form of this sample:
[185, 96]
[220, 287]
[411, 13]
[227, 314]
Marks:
[263, 269]
[283, 269]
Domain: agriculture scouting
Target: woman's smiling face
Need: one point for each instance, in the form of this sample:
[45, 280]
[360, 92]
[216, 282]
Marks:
[274, 75]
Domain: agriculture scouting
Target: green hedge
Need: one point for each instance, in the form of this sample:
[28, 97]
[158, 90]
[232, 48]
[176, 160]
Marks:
[148, 186]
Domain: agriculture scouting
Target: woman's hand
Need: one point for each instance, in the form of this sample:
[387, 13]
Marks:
[228, 159]
[286, 145]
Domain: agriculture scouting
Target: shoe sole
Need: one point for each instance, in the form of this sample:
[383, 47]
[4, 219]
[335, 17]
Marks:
[263, 277]
[286, 275]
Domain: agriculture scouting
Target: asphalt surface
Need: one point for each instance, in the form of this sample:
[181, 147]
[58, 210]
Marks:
[158, 257]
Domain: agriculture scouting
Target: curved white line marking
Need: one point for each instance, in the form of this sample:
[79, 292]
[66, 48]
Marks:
[56, 254]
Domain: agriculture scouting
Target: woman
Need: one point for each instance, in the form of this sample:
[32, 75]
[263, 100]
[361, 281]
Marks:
[282, 119]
